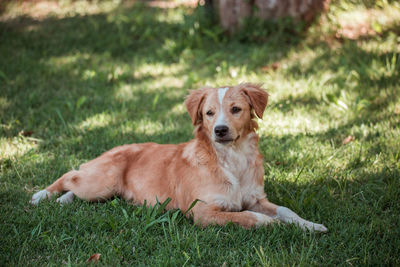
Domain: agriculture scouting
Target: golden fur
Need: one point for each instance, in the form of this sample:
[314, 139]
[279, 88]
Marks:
[224, 171]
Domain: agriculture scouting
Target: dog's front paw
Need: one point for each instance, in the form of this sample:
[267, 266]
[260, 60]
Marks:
[288, 216]
[38, 196]
[306, 225]
[67, 198]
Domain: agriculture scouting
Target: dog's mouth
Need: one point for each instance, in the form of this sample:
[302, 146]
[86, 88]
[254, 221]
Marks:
[228, 140]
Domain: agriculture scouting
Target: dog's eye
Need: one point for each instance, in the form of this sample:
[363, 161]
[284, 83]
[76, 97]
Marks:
[236, 110]
[210, 113]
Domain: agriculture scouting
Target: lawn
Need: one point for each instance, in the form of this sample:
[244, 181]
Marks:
[78, 78]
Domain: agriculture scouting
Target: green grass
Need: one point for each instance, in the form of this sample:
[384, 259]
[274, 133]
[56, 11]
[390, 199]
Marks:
[86, 77]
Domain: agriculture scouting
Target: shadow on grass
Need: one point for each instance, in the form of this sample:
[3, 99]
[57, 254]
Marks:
[62, 60]
[50, 64]
[364, 73]
[65, 59]
[140, 34]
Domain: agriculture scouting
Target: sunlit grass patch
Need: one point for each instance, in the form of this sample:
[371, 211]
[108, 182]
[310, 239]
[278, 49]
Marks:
[146, 126]
[361, 21]
[16, 146]
[98, 120]
[178, 109]
[157, 70]
[293, 123]
[176, 82]
[60, 9]
[125, 92]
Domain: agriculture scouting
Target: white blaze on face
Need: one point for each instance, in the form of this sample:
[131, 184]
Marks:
[221, 120]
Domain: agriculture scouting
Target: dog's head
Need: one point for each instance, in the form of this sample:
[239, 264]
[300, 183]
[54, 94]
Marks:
[225, 114]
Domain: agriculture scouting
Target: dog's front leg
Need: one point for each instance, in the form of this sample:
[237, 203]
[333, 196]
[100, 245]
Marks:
[285, 215]
[214, 215]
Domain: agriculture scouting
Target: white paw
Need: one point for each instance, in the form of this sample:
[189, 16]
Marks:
[288, 216]
[313, 226]
[67, 198]
[39, 196]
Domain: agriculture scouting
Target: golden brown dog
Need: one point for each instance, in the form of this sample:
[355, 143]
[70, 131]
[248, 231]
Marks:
[221, 166]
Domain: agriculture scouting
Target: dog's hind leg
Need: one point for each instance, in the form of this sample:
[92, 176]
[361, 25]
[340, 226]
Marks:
[57, 187]
[66, 198]
[88, 184]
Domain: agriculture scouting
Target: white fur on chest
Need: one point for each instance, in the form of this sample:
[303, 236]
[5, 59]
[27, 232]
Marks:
[237, 163]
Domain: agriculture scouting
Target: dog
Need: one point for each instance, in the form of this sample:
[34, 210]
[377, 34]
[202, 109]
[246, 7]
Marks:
[221, 167]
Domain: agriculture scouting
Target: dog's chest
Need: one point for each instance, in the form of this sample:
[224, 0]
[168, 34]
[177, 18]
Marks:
[238, 166]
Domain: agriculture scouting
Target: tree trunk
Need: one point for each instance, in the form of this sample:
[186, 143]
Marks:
[232, 12]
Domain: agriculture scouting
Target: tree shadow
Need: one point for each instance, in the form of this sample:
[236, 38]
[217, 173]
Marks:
[62, 60]
[68, 48]
[141, 33]
[360, 71]
[136, 43]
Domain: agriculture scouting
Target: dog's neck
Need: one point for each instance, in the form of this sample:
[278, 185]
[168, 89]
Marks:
[229, 153]
[244, 149]
[235, 159]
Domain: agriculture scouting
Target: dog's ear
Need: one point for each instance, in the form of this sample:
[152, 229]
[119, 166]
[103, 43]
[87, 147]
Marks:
[256, 96]
[194, 102]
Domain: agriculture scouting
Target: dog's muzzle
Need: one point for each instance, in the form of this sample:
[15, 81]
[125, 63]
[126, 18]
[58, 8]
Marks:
[222, 134]
[221, 131]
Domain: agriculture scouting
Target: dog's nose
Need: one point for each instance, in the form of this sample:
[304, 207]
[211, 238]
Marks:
[221, 130]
